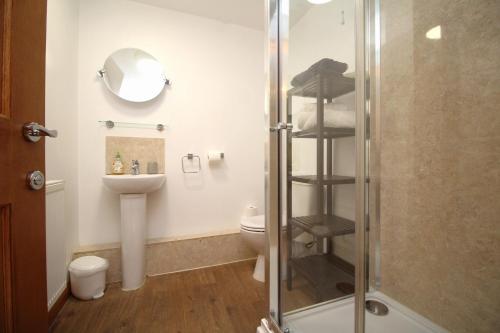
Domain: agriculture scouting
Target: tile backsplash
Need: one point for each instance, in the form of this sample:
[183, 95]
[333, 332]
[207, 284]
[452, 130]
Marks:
[131, 148]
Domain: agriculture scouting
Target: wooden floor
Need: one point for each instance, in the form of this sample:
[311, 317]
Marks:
[217, 299]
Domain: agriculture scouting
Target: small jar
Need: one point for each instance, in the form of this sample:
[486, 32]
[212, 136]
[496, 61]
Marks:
[152, 168]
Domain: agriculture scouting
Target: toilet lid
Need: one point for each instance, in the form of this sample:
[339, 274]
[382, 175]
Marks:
[88, 265]
[253, 222]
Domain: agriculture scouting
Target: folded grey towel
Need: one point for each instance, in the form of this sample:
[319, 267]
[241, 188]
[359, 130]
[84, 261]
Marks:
[325, 65]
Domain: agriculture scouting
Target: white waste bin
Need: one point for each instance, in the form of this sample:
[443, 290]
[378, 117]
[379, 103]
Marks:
[88, 277]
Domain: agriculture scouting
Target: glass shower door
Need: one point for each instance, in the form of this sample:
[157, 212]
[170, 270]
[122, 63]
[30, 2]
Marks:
[317, 102]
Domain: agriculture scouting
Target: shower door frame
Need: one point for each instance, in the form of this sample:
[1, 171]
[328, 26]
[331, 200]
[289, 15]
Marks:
[272, 167]
[276, 160]
[361, 176]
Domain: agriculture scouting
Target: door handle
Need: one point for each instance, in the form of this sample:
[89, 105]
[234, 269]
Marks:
[33, 131]
[281, 126]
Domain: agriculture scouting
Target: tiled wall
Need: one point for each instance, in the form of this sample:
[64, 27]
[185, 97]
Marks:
[440, 161]
[130, 148]
[167, 256]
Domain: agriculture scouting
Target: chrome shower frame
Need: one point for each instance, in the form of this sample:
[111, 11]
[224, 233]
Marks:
[367, 40]
[272, 165]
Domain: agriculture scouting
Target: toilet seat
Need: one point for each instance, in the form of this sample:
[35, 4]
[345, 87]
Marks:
[253, 223]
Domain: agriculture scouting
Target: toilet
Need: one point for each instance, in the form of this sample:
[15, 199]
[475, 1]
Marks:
[252, 229]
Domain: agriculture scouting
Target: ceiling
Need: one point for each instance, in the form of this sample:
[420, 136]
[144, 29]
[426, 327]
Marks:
[248, 13]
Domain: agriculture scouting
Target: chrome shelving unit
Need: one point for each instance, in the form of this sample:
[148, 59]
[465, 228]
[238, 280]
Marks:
[322, 270]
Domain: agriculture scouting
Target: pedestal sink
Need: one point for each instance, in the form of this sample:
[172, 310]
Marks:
[132, 190]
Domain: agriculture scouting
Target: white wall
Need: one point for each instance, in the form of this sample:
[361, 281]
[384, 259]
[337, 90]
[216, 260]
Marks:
[216, 102]
[61, 153]
[321, 34]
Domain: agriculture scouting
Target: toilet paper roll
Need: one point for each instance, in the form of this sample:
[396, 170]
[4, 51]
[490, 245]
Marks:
[214, 156]
[250, 210]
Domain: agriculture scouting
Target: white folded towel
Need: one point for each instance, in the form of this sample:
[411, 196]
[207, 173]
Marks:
[335, 115]
[307, 111]
[333, 118]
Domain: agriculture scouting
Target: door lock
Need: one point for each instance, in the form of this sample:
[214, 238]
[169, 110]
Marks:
[35, 180]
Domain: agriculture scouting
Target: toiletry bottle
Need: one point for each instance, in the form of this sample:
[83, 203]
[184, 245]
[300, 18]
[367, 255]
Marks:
[118, 165]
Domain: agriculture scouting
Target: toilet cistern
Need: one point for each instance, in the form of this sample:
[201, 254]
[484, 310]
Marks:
[133, 190]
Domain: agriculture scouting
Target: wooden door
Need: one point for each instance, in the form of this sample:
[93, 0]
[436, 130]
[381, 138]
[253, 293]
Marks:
[23, 287]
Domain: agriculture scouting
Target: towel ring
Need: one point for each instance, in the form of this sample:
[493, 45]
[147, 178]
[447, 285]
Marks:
[191, 157]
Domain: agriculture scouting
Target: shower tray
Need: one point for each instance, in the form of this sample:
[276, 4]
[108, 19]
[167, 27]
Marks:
[339, 317]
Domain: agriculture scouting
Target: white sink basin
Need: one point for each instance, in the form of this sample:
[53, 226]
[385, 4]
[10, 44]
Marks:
[132, 190]
[130, 184]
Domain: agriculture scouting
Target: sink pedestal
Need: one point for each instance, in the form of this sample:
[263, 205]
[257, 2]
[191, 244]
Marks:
[132, 190]
[133, 240]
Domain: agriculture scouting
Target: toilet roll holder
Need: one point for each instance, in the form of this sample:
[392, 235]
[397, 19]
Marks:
[215, 156]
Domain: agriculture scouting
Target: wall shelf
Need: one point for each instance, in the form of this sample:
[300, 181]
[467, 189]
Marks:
[111, 124]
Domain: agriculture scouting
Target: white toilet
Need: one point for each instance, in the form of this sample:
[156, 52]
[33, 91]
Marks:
[252, 229]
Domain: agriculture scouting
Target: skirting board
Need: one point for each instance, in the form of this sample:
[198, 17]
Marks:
[170, 256]
[57, 303]
[55, 298]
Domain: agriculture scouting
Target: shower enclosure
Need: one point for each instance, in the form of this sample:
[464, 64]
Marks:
[382, 169]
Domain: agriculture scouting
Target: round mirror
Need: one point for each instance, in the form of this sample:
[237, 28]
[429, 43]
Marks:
[133, 75]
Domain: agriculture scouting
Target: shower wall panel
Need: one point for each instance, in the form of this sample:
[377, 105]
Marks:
[439, 153]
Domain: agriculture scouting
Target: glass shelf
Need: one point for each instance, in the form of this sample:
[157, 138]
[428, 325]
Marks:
[111, 124]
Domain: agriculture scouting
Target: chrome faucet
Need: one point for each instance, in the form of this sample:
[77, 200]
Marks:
[135, 168]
